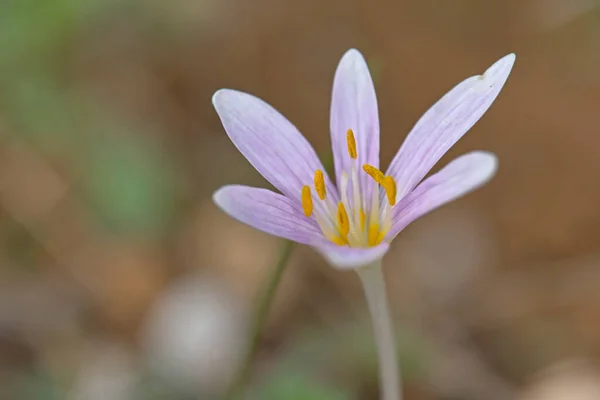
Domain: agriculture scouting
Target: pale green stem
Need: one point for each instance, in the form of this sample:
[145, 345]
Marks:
[263, 305]
[373, 283]
[240, 380]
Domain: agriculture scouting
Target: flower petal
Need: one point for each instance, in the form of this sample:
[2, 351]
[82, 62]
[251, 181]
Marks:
[354, 106]
[461, 176]
[269, 212]
[445, 123]
[344, 257]
[270, 142]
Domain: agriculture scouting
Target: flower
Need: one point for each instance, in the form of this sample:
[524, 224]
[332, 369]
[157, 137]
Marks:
[352, 223]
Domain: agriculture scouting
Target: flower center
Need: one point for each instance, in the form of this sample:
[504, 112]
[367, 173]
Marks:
[350, 222]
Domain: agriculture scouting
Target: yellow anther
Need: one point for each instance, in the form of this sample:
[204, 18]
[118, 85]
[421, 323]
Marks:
[343, 222]
[363, 218]
[389, 184]
[380, 238]
[320, 184]
[374, 173]
[338, 240]
[373, 234]
[307, 203]
[351, 144]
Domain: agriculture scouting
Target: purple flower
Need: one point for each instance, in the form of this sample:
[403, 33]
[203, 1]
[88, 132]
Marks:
[352, 223]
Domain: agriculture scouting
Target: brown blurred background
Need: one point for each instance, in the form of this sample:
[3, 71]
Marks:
[119, 279]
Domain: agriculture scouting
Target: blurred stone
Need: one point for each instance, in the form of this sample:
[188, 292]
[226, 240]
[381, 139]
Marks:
[574, 380]
[194, 335]
[243, 258]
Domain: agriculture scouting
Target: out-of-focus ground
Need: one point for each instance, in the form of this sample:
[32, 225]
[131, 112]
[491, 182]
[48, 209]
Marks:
[119, 279]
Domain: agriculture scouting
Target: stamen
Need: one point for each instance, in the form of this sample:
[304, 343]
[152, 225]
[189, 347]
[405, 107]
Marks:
[374, 173]
[329, 231]
[348, 224]
[343, 222]
[351, 144]
[386, 226]
[373, 230]
[389, 184]
[338, 240]
[373, 234]
[344, 189]
[363, 218]
[352, 237]
[307, 203]
[381, 236]
[356, 198]
[320, 184]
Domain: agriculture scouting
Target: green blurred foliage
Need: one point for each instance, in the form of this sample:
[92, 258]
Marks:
[37, 387]
[297, 385]
[125, 177]
[130, 182]
[328, 364]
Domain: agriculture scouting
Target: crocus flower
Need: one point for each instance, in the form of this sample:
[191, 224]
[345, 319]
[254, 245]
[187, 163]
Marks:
[351, 223]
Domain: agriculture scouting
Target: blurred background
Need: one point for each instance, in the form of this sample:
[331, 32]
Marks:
[119, 279]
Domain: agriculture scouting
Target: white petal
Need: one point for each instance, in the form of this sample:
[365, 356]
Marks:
[445, 123]
[456, 179]
[344, 257]
[270, 142]
[269, 212]
[354, 106]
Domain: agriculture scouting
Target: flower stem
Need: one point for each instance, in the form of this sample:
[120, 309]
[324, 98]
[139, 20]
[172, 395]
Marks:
[263, 305]
[373, 283]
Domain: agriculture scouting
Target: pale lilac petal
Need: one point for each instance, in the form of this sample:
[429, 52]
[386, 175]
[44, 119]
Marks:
[270, 142]
[461, 176]
[354, 106]
[445, 123]
[269, 212]
[344, 257]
